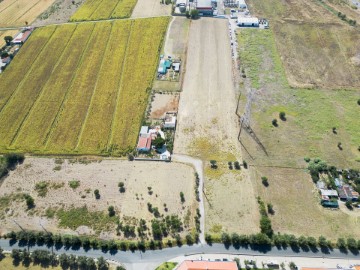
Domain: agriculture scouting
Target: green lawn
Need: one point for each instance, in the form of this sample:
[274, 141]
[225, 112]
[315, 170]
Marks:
[167, 266]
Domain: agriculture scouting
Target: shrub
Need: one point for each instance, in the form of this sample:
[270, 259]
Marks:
[282, 116]
[208, 239]
[29, 201]
[194, 14]
[121, 186]
[237, 165]
[341, 244]
[349, 205]
[213, 164]
[226, 239]
[358, 102]
[265, 226]
[111, 211]
[307, 159]
[351, 244]
[264, 181]
[270, 208]
[245, 164]
[182, 197]
[97, 194]
[274, 122]
[292, 266]
[74, 184]
[189, 239]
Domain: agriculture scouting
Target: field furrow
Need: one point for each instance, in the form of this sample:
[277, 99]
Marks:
[136, 82]
[86, 10]
[21, 64]
[54, 92]
[64, 136]
[11, 117]
[104, 10]
[124, 9]
[98, 124]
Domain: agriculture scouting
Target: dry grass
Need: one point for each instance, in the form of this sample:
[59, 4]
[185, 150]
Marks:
[76, 210]
[7, 263]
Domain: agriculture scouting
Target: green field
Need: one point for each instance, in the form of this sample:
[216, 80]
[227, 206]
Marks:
[104, 9]
[80, 89]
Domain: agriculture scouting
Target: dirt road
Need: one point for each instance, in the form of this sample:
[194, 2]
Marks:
[207, 127]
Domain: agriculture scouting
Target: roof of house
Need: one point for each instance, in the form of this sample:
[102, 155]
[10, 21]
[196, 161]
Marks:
[345, 191]
[21, 37]
[248, 20]
[204, 4]
[144, 142]
[328, 192]
[206, 265]
[144, 130]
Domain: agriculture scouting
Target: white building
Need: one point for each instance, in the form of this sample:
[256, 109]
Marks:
[242, 4]
[170, 121]
[248, 21]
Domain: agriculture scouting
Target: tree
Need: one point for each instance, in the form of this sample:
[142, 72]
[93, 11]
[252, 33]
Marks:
[208, 239]
[292, 266]
[349, 205]
[235, 239]
[282, 116]
[189, 239]
[302, 241]
[265, 226]
[182, 197]
[29, 201]
[274, 122]
[2, 256]
[341, 244]
[322, 241]
[121, 186]
[97, 194]
[245, 164]
[264, 181]
[194, 14]
[120, 268]
[8, 39]
[226, 239]
[237, 165]
[351, 244]
[16, 254]
[102, 264]
[213, 164]
[158, 142]
[111, 210]
[270, 208]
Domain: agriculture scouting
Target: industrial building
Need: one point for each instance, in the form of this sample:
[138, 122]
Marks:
[205, 7]
[248, 22]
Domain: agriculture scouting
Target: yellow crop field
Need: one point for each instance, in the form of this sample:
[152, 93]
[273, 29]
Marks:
[86, 90]
[17, 13]
[104, 9]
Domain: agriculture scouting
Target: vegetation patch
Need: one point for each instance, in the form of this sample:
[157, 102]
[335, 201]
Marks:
[167, 266]
[75, 217]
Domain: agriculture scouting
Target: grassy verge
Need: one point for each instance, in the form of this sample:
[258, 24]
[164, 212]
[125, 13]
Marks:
[167, 266]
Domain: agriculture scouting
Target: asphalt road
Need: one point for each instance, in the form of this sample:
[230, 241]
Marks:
[149, 259]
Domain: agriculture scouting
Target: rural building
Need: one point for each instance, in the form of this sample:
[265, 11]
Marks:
[6, 60]
[22, 36]
[346, 193]
[248, 22]
[164, 65]
[242, 4]
[330, 204]
[206, 265]
[144, 130]
[329, 193]
[205, 7]
[144, 143]
[176, 67]
[170, 121]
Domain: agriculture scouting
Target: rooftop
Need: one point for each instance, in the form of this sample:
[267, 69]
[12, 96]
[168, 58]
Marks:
[206, 265]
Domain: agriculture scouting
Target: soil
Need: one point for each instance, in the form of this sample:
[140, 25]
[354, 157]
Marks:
[150, 8]
[208, 127]
[64, 10]
[102, 175]
[163, 103]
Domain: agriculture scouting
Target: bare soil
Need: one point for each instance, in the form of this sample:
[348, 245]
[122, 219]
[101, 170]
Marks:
[61, 12]
[150, 8]
[102, 175]
[163, 103]
[207, 128]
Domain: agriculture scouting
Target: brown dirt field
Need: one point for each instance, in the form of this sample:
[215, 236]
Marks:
[150, 8]
[16, 13]
[207, 128]
[297, 209]
[163, 103]
[102, 175]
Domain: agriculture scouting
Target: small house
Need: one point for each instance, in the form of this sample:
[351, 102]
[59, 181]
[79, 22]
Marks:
[176, 67]
[346, 193]
[170, 121]
[248, 22]
[144, 142]
[22, 36]
[205, 7]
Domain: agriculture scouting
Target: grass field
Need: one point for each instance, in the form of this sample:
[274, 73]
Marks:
[17, 13]
[7, 263]
[76, 98]
[331, 44]
[104, 9]
[307, 132]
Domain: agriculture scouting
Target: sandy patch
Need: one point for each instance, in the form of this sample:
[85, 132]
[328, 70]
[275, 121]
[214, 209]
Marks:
[163, 103]
[150, 8]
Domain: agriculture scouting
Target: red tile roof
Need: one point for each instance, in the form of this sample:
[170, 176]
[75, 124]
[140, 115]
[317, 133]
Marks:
[206, 265]
[144, 143]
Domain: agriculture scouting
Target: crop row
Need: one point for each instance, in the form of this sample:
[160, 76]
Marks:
[85, 92]
[104, 9]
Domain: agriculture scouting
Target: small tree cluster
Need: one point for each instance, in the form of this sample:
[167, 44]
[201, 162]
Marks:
[265, 181]
[121, 186]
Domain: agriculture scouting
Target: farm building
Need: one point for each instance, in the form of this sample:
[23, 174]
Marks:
[176, 67]
[242, 4]
[346, 193]
[22, 36]
[164, 65]
[206, 265]
[170, 121]
[144, 143]
[248, 21]
[329, 193]
[205, 7]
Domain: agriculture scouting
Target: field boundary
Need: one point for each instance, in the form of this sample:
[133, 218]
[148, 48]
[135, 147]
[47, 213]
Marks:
[13, 141]
[53, 124]
[93, 92]
[27, 73]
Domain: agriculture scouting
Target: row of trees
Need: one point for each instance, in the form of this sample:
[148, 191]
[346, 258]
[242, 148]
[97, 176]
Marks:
[46, 259]
[285, 240]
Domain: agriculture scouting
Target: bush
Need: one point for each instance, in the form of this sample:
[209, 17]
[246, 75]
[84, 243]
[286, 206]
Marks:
[189, 239]
[182, 197]
[97, 194]
[349, 205]
[194, 14]
[13, 159]
[111, 211]
[213, 164]
[74, 184]
[121, 186]
[265, 226]
[237, 165]
[307, 159]
[29, 201]
[351, 244]
[270, 208]
[208, 239]
[264, 181]
[245, 164]
[358, 102]
[274, 122]
[282, 116]
[341, 244]
[226, 239]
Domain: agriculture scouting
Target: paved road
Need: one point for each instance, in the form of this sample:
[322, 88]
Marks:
[198, 165]
[150, 259]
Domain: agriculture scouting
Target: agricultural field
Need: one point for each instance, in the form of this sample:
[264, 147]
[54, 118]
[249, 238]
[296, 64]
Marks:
[306, 131]
[65, 200]
[3, 34]
[151, 8]
[18, 13]
[104, 9]
[78, 97]
[331, 57]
